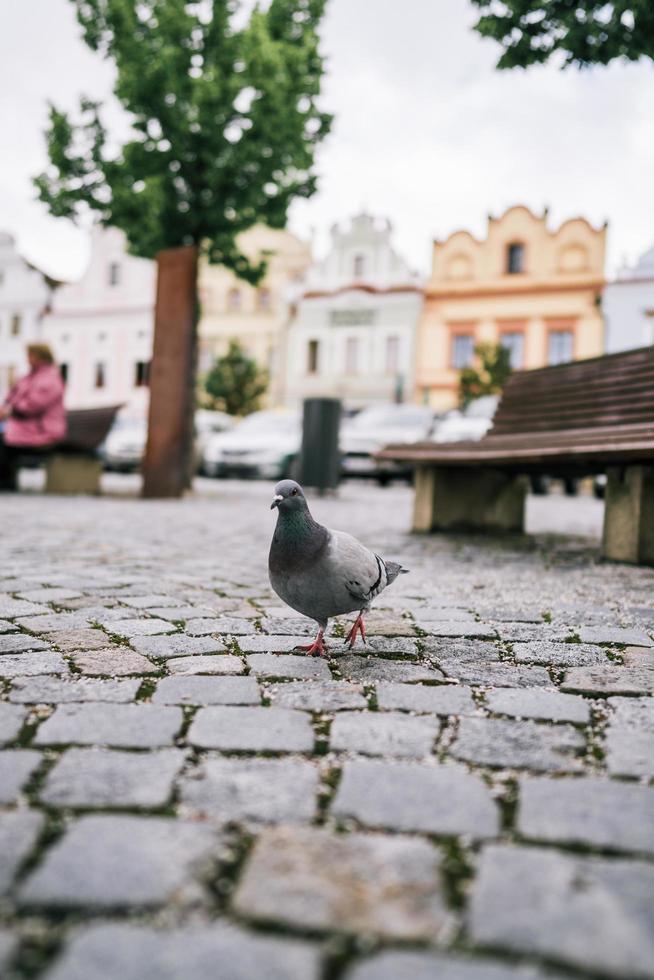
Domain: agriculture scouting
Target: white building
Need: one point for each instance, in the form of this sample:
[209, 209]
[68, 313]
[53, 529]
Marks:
[101, 327]
[25, 294]
[353, 332]
[628, 305]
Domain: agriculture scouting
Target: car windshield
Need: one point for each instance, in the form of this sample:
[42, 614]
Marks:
[409, 416]
[269, 422]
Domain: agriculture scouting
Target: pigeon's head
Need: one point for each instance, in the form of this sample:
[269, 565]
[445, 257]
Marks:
[288, 497]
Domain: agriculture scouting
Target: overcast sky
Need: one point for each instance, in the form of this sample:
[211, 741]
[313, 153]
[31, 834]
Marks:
[426, 132]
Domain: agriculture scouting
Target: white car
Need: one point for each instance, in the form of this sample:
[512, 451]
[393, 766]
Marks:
[124, 447]
[264, 445]
[472, 422]
[376, 427]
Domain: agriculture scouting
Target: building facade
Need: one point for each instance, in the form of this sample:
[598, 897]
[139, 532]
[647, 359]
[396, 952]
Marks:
[101, 327]
[25, 296]
[535, 290]
[629, 306]
[231, 309]
[353, 332]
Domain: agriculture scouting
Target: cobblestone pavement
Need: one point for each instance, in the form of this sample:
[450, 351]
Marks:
[183, 797]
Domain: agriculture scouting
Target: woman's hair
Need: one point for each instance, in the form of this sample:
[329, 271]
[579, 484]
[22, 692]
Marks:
[42, 351]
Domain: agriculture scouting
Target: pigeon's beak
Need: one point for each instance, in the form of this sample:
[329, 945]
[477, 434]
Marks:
[277, 499]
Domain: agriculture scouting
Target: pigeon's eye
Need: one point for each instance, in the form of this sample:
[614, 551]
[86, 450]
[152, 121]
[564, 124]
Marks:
[294, 492]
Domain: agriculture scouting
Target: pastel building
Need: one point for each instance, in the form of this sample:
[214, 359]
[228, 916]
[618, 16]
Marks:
[534, 289]
[101, 327]
[629, 306]
[353, 332]
[255, 316]
[25, 296]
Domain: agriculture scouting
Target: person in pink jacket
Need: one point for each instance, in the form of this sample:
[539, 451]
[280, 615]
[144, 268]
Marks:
[33, 417]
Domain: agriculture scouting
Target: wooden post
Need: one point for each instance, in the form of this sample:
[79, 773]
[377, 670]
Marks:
[168, 456]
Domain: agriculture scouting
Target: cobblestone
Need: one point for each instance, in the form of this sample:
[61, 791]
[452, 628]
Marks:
[11, 721]
[519, 744]
[16, 767]
[19, 642]
[54, 690]
[141, 627]
[177, 645]
[496, 674]
[317, 695]
[384, 733]
[207, 690]
[212, 664]
[559, 654]
[630, 737]
[276, 665]
[367, 670]
[609, 680]
[78, 639]
[19, 830]
[114, 661]
[123, 725]
[252, 730]
[539, 704]
[112, 779]
[32, 664]
[440, 966]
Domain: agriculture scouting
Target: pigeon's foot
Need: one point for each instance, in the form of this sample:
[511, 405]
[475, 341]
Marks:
[318, 646]
[359, 627]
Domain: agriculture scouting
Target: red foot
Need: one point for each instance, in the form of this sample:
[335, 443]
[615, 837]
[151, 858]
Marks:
[358, 627]
[318, 646]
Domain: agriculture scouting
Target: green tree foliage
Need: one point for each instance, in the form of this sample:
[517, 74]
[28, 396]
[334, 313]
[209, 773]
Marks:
[235, 383]
[224, 123]
[586, 33]
[488, 377]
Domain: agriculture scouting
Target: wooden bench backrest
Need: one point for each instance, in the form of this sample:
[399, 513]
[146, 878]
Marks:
[87, 427]
[615, 390]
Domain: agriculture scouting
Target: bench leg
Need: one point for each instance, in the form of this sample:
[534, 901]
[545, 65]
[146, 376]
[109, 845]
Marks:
[450, 499]
[73, 474]
[629, 515]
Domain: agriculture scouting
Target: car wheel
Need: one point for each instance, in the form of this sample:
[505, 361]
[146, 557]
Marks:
[571, 487]
[383, 480]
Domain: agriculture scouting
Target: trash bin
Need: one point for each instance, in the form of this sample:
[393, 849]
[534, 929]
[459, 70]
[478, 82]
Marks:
[320, 459]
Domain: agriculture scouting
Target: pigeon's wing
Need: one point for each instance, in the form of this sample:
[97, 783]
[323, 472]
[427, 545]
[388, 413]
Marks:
[360, 572]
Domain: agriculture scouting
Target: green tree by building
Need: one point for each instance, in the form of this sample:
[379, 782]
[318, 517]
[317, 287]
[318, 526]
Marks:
[488, 377]
[235, 384]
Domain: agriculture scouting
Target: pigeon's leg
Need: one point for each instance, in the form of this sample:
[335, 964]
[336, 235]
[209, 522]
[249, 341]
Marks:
[359, 627]
[318, 646]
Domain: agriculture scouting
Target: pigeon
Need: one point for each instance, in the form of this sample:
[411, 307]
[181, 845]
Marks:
[322, 573]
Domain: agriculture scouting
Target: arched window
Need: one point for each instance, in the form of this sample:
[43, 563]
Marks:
[234, 300]
[263, 299]
[359, 266]
[515, 258]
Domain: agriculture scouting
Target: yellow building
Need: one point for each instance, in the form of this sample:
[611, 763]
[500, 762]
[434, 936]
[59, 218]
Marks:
[534, 290]
[255, 316]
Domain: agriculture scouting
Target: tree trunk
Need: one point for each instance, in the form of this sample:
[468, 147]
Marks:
[168, 465]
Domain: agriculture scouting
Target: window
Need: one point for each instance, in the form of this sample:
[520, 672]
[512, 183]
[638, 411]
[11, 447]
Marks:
[392, 355]
[351, 355]
[263, 299]
[100, 375]
[114, 273]
[63, 371]
[463, 350]
[514, 341]
[559, 346]
[359, 266]
[141, 374]
[234, 300]
[312, 357]
[15, 325]
[515, 258]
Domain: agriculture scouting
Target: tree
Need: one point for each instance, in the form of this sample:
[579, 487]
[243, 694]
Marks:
[588, 33]
[224, 119]
[489, 377]
[235, 383]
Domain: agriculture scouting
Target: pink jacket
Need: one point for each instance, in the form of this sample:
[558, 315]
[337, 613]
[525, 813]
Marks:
[38, 417]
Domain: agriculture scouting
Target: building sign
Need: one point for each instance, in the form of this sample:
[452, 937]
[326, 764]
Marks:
[352, 318]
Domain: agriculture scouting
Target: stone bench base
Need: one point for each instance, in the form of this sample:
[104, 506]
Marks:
[629, 515]
[72, 474]
[451, 499]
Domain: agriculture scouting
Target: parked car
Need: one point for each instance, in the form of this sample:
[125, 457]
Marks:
[124, 447]
[208, 424]
[376, 427]
[472, 422]
[264, 445]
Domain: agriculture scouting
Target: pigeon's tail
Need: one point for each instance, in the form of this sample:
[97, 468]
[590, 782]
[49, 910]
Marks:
[393, 569]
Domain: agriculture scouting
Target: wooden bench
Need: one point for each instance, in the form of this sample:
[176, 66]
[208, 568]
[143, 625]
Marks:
[572, 420]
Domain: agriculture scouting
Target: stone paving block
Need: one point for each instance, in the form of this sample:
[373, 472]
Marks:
[437, 699]
[52, 622]
[53, 594]
[221, 663]
[291, 625]
[8, 946]
[11, 608]
[112, 779]
[175, 614]
[32, 664]
[367, 670]
[314, 879]
[533, 632]
[78, 639]
[19, 831]
[263, 643]
[390, 626]
[207, 690]
[392, 965]
[177, 645]
[443, 614]
[609, 680]
[540, 704]
[630, 737]
[383, 733]
[591, 913]
[19, 642]
[462, 651]
[148, 601]
[252, 791]
[591, 811]
[275, 665]
[132, 952]
[107, 861]
[16, 767]
[404, 645]
[252, 730]
[509, 614]
[519, 744]
[609, 634]
[141, 627]
[496, 674]
[442, 799]
[121, 725]
[482, 630]
[113, 661]
[11, 721]
[317, 695]
[559, 654]
[638, 656]
[222, 625]
[55, 690]
[7, 627]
